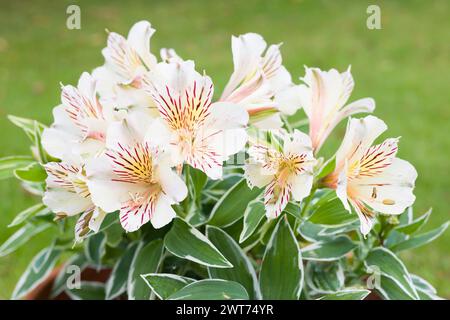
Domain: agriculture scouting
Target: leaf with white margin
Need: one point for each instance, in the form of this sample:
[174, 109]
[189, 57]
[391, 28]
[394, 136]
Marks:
[20, 237]
[390, 290]
[390, 266]
[37, 271]
[281, 276]
[419, 239]
[231, 206]
[36, 210]
[211, 289]
[89, 290]
[147, 259]
[347, 294]
[253, 215]
[324, 277]
[76, 262]
[184, 241]
[425, 290]
[9, 164]
[165, 284]
[329, 250]
[242, 271]
[117, 281]
[94, 248]
[415, 225]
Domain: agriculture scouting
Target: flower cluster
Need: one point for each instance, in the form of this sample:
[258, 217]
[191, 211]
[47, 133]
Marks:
[123, 135]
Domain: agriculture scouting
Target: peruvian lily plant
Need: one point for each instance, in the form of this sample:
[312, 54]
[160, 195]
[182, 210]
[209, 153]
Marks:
[172, 193]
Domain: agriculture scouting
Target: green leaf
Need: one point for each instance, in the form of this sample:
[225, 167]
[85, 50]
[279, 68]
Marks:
[165, 284]
[198, 181]
[78, 260]
[114, 234]
[314, 232]
[327, 168]
[332, 212]
[36, 272]
[424, 289]
[415, 225]
[347, 294]
[28, 126]
[293, 209]
[252, 217]
[329, 250]
[117, 281]
[94, 248]
[420, 239]
[37, 209]
[211, 289]
[9, 164]
[89, 290]
[324, 277]
[281, 276]
[146, 260]
[186, 242]
[232, 204]
[390, 290]
[242, 271]
[34, 172]
[20, 237]
[389, 265]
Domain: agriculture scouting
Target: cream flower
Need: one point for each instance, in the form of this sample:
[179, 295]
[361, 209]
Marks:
[368, 177]
[67, 194]
[135, 176]
[80, 122]
[200, 133]
[284, 169]
[324, 99]
[260, 82]
[127, 60]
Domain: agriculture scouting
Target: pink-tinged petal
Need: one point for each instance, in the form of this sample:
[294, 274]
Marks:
[298, 143]
[389, 192]
[276, 197]
[169, 55]
[140, 208]
[365, 105]
[365, 215]
[268, 123]
[247, 50]
[359, 136]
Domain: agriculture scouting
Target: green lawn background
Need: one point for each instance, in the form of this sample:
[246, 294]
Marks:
[404, 66]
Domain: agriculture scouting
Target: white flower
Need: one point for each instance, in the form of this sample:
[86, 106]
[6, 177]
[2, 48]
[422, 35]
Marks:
[200, 133]
[370, 177]
[284, 170]
[324, 100]
[67, 194]
[80, 122]
[134, 176]
[126, 63]
[260, 82]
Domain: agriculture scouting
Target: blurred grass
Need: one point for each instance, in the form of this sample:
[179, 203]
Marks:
[404, 66]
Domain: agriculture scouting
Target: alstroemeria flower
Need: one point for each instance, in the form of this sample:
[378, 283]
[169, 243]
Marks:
[80, 122]
[368, 177]
[324, 99]
[67, 194]
[260, 82]
[127, 60]
[284, 170]
[201, 133]
[135, 176]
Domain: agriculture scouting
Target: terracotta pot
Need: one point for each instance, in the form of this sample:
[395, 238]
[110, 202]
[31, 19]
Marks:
[43, 291]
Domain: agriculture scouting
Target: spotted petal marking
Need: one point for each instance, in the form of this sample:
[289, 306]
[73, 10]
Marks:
[123, 57]
[67, 177]
[81, 108]
[133, 164]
